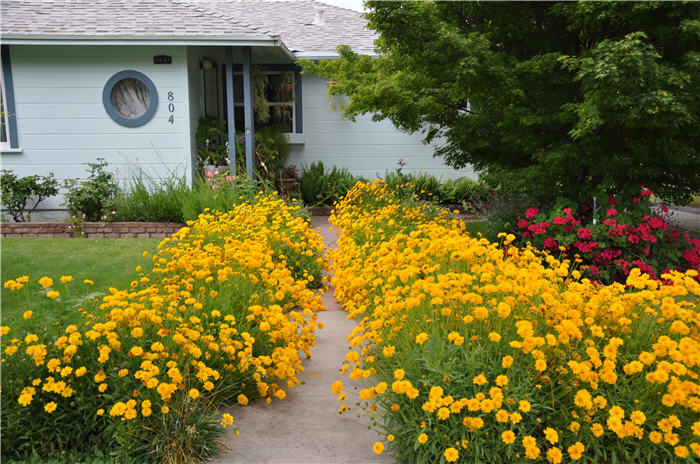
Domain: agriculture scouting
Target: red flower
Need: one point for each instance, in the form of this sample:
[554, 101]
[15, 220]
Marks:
[612, 212]
[584, 234]
[531, 212]
[612, 201]
[559, 220]
[522, 224]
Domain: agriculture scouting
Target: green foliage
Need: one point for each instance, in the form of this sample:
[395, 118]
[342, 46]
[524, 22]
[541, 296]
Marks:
[320, 188]
[271, 151]
[92, 199]
[218, 193]
[212, 142]
[566, 99]
[149, 200]
[17, 191]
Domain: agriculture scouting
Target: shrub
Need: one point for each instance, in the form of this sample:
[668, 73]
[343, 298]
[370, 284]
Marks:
[613, 240]
[17, 191]
[92, 199]
[317, 187]
[221, 318]
[482, 352]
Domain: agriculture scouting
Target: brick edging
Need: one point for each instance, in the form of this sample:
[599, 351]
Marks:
[90, 229]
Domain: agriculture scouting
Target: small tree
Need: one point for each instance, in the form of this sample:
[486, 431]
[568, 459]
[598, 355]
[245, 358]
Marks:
[564, 99]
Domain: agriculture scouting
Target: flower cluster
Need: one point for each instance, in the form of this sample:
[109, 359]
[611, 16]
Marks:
[474, 351]
[612, 241]
[222, 317]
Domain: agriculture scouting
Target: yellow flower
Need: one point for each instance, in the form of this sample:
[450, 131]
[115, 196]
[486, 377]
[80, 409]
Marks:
[88, 282]
[524, 406]
[53, 294]
[681, 451]
[508, 437]
[597, 429]
[399, 374]
[100, 412]
[507, 362]
[378, 447]
[540, 365]
[164, 409]
[421, 338]
[480, 380]
[554, 455]
[50, 407]
[422, 438]
[390, 438]
[65, 279]
[576, 450]
[27, 314]
[242, 399]
[337, 387]
[451, 454]
[194, 393]
[46, 282]
[551, 435]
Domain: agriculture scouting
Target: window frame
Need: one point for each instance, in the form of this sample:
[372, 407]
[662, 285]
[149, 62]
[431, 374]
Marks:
[292, 102]
[112, 111]
[9, 112]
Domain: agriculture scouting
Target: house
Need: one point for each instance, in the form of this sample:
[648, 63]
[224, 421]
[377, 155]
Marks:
[128, 81]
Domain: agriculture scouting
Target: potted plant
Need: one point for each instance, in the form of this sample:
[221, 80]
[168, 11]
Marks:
[288, 177]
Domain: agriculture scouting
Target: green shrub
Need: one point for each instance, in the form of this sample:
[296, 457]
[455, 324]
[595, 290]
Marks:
[92, 199]
[317, 187]
[149, 200]
[16, 192]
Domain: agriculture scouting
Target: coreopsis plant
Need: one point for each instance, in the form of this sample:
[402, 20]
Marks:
[223, 317]
[484, 352]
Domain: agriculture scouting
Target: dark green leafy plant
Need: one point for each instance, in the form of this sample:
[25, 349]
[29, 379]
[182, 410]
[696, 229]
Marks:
[271, 151]
[17, 192]
[317, 187]
[550, 99]
[92, 199]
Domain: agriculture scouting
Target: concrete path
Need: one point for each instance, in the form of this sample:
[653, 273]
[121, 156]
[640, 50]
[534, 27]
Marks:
[305, 428]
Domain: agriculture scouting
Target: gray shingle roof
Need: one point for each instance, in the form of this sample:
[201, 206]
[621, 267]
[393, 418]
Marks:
[292, 21]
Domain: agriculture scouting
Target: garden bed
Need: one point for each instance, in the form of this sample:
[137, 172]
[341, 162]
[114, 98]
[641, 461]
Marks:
[91, 229]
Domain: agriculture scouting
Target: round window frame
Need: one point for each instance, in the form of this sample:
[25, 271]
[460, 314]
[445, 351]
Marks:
[112, 111]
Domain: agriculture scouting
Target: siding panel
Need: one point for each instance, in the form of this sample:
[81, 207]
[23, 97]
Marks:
[62, 122]
[365, 147]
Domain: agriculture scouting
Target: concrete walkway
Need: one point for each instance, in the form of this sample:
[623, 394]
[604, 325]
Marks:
[305, 428]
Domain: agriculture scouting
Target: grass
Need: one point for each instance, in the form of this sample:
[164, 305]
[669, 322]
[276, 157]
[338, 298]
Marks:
[476, 227]
[107, 262]
[695, 202]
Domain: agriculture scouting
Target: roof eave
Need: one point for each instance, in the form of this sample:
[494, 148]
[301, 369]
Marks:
[328, 54]
[59, 39]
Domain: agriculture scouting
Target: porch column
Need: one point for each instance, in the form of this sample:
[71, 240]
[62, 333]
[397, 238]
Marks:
[231, 129]
[248, 111]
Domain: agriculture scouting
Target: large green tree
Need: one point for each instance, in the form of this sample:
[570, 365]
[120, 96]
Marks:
[553, 99]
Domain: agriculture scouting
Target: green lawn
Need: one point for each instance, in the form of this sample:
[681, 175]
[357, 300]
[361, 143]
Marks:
[474, 227]
[107, 262]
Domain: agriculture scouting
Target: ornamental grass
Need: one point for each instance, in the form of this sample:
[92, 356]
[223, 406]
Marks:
[484, 352]
[224, 316]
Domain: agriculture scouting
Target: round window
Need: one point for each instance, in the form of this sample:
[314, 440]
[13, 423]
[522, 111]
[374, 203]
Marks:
[130, 98]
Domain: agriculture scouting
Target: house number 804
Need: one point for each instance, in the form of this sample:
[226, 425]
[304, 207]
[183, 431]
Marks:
[171, 107]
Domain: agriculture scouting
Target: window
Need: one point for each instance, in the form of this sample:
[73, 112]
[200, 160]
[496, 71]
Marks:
[130, 98]
[8, 121]
[278, 105]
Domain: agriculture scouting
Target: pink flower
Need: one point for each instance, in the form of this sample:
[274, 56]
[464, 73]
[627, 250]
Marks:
[209, 174]
[612, 212]
[522, 224]
[531, 212]
[229, 178]
[559, 221]
[635, 200]
[584, 234]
